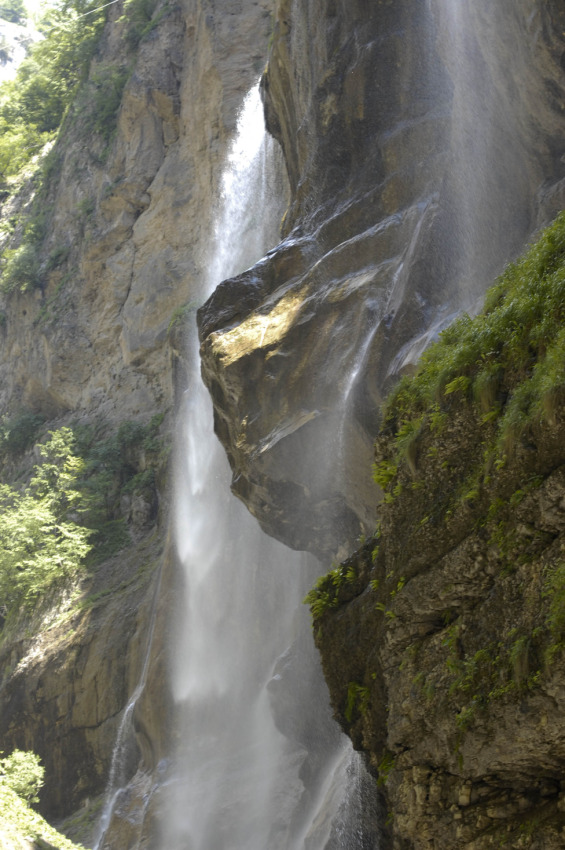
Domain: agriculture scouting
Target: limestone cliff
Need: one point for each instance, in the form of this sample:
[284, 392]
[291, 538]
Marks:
[123, 208]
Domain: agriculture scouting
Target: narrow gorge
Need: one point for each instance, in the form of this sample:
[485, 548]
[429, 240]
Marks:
[296, 199]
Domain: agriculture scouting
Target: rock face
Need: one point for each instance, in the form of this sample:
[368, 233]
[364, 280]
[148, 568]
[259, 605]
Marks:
[67, 675]
[418, 166]
[442, 645]
[130, 218]
[127, 215]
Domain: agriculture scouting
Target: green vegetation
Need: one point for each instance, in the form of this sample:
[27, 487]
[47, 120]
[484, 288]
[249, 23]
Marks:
[54, 85]
[385, 766]
[104, 96]
[141, 19]
[180, 315]
[357, 700]
[508, 362]
[23, 773]
[40, 541]
[554, 590]
[21, 777]
[18, 433]
[324, 593]
[21, 269]
[33, 105]
[68, 516]
[13, 11]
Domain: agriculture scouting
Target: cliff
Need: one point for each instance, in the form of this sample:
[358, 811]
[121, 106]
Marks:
[442, 638]
[422, 152]
[93, 339]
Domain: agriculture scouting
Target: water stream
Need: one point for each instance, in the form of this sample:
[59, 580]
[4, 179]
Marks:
[260, 763]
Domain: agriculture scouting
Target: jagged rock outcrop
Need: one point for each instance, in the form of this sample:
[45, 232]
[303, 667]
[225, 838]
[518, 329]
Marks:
[421, 150]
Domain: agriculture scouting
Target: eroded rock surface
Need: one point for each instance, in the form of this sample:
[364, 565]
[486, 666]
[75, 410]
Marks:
[422, 150]
[442, 644]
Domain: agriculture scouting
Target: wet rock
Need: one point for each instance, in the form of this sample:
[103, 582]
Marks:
[377, 111]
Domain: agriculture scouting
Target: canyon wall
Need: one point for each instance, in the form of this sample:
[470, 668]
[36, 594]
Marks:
[423, 152]
[126, 211]
[400, 215]
[402, 212]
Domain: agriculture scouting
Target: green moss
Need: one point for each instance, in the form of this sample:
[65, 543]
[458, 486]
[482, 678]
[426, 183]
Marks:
[385, 766]
[357, 700]
[510, 359]
[554, 590]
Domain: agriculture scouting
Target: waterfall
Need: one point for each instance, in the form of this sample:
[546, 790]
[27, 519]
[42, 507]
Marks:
[488, 196]
[246, 679]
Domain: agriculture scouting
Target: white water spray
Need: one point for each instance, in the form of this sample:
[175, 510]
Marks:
[237, 779]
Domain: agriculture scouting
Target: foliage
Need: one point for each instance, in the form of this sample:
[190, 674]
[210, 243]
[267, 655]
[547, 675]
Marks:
[17, 434]
[32, 105]
[112, 469]
[101, 98]
[107, 539]
[555, 590]
[21, 269]
[357, 700]
[180, 315]
[139, 17]
[19, 142]
[13, 11]
[320, 597]
[16, 817]
[23, 773]
[69, 514]
[41, 541]
[385, 766]
[324, 593]
[510, 359]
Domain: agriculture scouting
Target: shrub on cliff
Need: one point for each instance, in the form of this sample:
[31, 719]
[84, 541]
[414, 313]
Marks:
[41, 540]
[23, 773]
[21, 269]
[32, 105]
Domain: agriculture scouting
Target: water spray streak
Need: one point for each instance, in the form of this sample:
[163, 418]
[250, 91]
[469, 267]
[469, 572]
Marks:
[125, 740]
[236, 782]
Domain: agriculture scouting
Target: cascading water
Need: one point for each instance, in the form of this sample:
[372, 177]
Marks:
[255, 712]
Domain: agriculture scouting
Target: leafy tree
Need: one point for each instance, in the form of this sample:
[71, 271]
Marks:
[32, 105]
[13, 11]
[22, 772]
[41, 540]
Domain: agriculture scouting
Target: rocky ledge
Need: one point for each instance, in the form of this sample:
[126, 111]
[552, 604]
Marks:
[417, 167]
